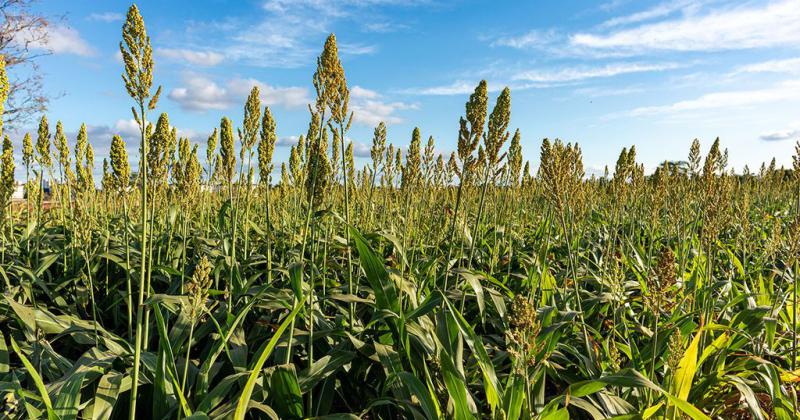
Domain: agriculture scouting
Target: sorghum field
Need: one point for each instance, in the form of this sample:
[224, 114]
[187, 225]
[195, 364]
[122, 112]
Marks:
[420, 286]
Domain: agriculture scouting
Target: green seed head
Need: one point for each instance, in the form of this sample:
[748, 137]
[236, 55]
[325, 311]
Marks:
[6, 177]
[411, 171]
[227, 155]
[336, 154]
[497, 133]
[197, 288]
[694, 157]
[378, 144]
[351, 170]
[27, 150]
[252, 118]
[137, 55]
[120, 167]
[4, 88]
[331, 85]
[515, 158]
[43, 143]
[318, 178]
[471, 127]
[266, 146]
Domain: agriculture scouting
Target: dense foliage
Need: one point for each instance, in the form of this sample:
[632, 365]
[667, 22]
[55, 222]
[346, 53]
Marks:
[420, 286]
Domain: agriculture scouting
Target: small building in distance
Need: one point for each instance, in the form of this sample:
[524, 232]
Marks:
[19, 192]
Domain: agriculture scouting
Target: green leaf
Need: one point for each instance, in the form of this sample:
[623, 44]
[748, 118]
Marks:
[285, 392]
[106, 396]
[69, 397]
[560, 414]
[475, 282]
[244, 399]
[31, 370]
[684, 375]
[323, 368]
[687, 408]
[456, 387]
[4, 361]
[514, 397]
[430, 406]
[172, 371]
[494, 392]
[377, 276]
[219, 393]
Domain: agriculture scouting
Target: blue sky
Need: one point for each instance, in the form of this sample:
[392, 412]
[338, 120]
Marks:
[656, 74]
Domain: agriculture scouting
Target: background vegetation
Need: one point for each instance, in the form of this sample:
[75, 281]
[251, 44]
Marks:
[419, 286]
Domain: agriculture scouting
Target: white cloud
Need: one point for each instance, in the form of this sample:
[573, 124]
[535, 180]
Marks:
[657, 11]
[458, 87]
[360, 149]
[786, 90]
[64, 40]
[769, 25]
[273, 44]
[600, 92]
[578, 74]
[287, 141]
[200, 93]
[357, 49]
[290, 33]
[788, 134]
[532, 39]
[127, 128]
[288, 97]
[359, 92]
[382, 27]
[369, 108]
[198, 58]
[108, 17]
[332, 8]
[789, 65]
[538, 79]
[58, 40]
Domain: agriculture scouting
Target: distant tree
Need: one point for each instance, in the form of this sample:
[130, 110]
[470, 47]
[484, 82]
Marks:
[23, 39]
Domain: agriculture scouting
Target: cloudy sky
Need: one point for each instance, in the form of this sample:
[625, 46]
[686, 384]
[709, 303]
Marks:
[607, 74]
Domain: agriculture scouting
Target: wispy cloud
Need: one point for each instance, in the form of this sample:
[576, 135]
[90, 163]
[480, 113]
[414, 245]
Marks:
[657, 11]
[357, 49]
[197, 58]
[383, 27]
[583, 73]
[750, 26]
[783, 91]
[459, 87]
[108, 17]
[200, 93]
[545, 78]
[604, 92]
[788, 65]
[530, 40]
[289, 32]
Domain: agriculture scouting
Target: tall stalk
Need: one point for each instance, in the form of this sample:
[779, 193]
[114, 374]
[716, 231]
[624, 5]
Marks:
[137, 55]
